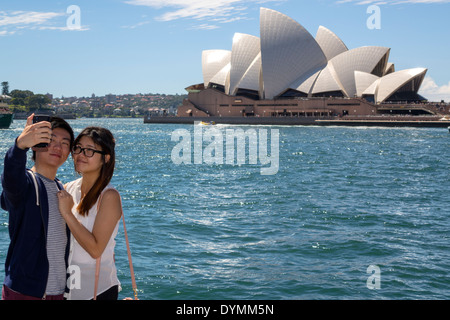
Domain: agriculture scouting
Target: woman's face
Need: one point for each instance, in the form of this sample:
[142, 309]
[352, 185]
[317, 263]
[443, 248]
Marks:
[85, 164]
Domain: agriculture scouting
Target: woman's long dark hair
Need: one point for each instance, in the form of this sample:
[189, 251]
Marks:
[103, 138]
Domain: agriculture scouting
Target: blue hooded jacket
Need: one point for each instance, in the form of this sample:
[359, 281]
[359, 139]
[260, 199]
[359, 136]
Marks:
[26, 265]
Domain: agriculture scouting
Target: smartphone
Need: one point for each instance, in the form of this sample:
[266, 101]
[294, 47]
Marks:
[39, 118]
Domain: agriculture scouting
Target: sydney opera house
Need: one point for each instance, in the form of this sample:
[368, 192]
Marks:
[286, 72]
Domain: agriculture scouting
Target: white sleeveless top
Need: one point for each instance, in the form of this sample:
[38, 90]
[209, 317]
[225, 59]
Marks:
[81, 263]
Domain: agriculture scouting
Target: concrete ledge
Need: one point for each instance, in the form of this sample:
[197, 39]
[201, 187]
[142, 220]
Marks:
[300, 121]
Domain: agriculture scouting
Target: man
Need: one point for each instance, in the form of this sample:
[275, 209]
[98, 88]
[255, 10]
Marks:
[36, 261]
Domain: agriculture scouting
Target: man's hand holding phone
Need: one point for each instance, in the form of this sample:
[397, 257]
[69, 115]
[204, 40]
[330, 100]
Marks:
[37, 133]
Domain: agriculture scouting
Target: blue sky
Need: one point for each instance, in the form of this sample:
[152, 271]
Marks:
[154, 46]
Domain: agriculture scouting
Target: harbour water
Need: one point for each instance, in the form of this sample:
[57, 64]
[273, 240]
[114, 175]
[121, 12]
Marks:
[352, 213]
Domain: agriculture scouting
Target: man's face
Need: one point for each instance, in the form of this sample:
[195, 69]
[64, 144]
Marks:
[57, 151]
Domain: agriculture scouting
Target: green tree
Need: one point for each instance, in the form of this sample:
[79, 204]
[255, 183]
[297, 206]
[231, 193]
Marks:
[37, 101]
[19, 96]
[5, 88]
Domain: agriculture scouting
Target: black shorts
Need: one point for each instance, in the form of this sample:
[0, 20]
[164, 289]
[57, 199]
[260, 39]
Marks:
[110, 294]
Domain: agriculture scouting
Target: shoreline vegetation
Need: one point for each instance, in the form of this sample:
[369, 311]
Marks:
[25, 102]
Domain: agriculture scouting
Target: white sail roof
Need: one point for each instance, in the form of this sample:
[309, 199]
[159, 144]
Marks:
[330, 43]
[251, 80]
[214, 61]
[364, 80]
[307, 85]
[391, 83]
[288, 52]
[364, 59]
[390, 67]
[327, 81]
[244, 51]
[223, 76]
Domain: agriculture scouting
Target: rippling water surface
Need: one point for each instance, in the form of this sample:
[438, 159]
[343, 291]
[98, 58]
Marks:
[343, 199]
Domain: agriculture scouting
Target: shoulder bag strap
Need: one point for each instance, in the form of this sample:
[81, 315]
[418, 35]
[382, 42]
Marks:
[98, 260]
[130, 261]
[97, 273]
[97, 264]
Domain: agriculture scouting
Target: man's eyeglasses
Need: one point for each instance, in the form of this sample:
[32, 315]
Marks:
[88, 152]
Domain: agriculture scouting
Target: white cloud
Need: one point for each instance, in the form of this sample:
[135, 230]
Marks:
[134, 26]
[20, 20]
[222, 11]
[26, 18]
[196, 9]
[365, 2]
[433, 92]
[204, 26]
[65, 28]
[6, 33]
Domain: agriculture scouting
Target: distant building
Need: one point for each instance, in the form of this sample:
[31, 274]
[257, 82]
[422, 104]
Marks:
[96, 104]
[111, 98]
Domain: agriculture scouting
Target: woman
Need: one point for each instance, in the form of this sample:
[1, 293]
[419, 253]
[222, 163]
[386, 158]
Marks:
[92, 209]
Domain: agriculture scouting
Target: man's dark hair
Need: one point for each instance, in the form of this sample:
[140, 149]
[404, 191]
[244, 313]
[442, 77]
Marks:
[58, 122]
